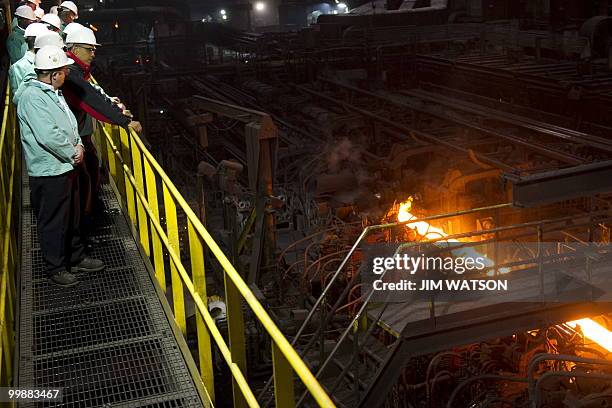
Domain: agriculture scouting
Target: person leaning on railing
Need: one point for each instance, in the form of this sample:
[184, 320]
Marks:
[53, 151]
[89, 102]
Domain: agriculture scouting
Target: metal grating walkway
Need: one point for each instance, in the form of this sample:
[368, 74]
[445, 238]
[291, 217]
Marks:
[107, 341]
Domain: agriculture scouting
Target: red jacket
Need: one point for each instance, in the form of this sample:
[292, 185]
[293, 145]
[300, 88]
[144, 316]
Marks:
[86, 101]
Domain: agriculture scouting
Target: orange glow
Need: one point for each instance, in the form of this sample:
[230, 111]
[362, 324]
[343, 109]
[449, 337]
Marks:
[594, 331]
[428, 231]
[423, 228]
[591, 329]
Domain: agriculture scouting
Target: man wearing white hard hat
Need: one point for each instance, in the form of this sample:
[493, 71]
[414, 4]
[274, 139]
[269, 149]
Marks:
[15, 43]
[53, 151]
[52, 21]
[39, 13]
[23, 70]
[19, 70]
[33, 4]
[67, 29]
[88, 103]
[68, 12]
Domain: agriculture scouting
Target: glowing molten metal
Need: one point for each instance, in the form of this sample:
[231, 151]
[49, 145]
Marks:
[594, 331]
[423, 228]
[591, 329]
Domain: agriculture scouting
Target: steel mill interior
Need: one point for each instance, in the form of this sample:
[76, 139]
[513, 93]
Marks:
[282, 141]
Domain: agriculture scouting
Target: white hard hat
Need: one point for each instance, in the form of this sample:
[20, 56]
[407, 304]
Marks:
[39, 12]
[25, 12]
[49, 38]
[72, 27]
[52, 19]
[53, 10]
[71, 6]
[81, 36]
[50, 57]
[35, 29]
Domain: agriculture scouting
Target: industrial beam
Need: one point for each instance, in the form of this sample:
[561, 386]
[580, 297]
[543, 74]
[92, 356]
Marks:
[261, 137]
[559, 185]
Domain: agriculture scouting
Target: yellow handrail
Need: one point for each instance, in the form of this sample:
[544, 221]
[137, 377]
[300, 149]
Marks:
[10, 173]
[125, 153]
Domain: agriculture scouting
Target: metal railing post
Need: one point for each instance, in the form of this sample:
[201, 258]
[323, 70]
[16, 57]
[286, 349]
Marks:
[178, 301]
[158, 253]
[284, 393]
[196, 252]
[143, 225]
[235, 328]
[114, 165]
[128, 188]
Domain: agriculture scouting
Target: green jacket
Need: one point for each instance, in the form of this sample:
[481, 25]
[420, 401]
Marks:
[22, 71]
[16, 44]
[49, 130]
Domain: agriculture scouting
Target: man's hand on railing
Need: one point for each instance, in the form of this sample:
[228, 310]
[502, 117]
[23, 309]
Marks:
[122, 106]
[136, 126]
[118, 102]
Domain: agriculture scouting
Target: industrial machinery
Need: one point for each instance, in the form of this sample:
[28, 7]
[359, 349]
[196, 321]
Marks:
[470, 122]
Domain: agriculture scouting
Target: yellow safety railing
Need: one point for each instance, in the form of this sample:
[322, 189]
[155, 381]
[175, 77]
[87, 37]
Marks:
[137, 176]
[10, 179]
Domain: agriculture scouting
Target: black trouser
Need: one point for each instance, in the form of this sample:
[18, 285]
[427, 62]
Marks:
[89, 176]
[55, 201]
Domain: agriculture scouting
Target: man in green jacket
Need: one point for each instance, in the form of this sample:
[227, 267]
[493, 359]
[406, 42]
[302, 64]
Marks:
[15, 43]
[53, 150]
[24, 68]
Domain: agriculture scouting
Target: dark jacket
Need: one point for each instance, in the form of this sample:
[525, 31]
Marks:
[86, 101]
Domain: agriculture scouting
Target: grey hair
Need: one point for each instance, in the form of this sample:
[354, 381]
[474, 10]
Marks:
[70, 45]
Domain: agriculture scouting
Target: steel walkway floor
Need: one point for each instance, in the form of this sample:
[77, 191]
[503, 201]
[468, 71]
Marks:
[107, 341]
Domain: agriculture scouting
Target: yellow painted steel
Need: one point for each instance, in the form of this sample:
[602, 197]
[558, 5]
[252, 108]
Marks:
[112, 166]
[10, 173]
[158, 252]
[235, 329]
[283, 379]
[196, 250]
[119, 181]
[237, 294]
[143, 222]
[129, 189]
[178, 300]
